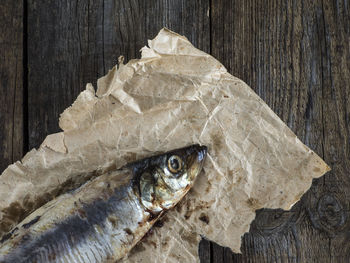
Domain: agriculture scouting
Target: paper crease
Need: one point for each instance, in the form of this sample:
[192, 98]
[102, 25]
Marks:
[174, 96]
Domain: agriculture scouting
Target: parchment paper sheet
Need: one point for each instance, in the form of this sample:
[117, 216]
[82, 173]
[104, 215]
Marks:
[174, 96]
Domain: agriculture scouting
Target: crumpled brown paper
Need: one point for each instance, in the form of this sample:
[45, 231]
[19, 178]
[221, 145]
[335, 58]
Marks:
[174, 96]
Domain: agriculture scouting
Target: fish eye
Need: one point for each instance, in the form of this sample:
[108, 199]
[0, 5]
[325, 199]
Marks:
[174, 164]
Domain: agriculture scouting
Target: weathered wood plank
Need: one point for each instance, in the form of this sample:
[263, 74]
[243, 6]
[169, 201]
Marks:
[128, 24]
[11, 85]
[71, 43]
[334, 206]
[295, 55]
[75, 42]
[64, 53]
[204, 251]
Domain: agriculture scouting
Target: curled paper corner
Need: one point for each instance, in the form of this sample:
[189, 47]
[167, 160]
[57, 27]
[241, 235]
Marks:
[80, 111]
[121, 60]
[55, 142]
[168, 42]
[106, 81]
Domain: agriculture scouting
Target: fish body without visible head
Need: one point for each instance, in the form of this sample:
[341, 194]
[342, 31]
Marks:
[103, 219]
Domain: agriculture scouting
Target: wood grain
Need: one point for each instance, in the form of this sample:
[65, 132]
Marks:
[64, 53]
[71, 43]
[294, 54]
[11, 86]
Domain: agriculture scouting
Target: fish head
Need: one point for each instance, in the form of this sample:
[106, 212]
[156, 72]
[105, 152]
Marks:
[169, 176]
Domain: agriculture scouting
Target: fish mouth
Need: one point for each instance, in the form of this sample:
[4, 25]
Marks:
[195, 160]
[198, 152]
[202, 152]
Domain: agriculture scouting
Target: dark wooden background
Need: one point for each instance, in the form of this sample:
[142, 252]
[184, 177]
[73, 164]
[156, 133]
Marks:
[294, 54]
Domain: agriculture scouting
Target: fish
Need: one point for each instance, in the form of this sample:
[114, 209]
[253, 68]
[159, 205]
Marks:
[102, 220]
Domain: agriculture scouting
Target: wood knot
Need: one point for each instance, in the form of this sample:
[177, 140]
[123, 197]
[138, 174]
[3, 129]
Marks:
[330, 216]
[269, 221]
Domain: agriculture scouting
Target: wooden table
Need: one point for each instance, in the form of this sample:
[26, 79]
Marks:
[294, 54]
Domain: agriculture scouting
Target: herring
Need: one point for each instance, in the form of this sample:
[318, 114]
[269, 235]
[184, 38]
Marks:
[104, 218]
